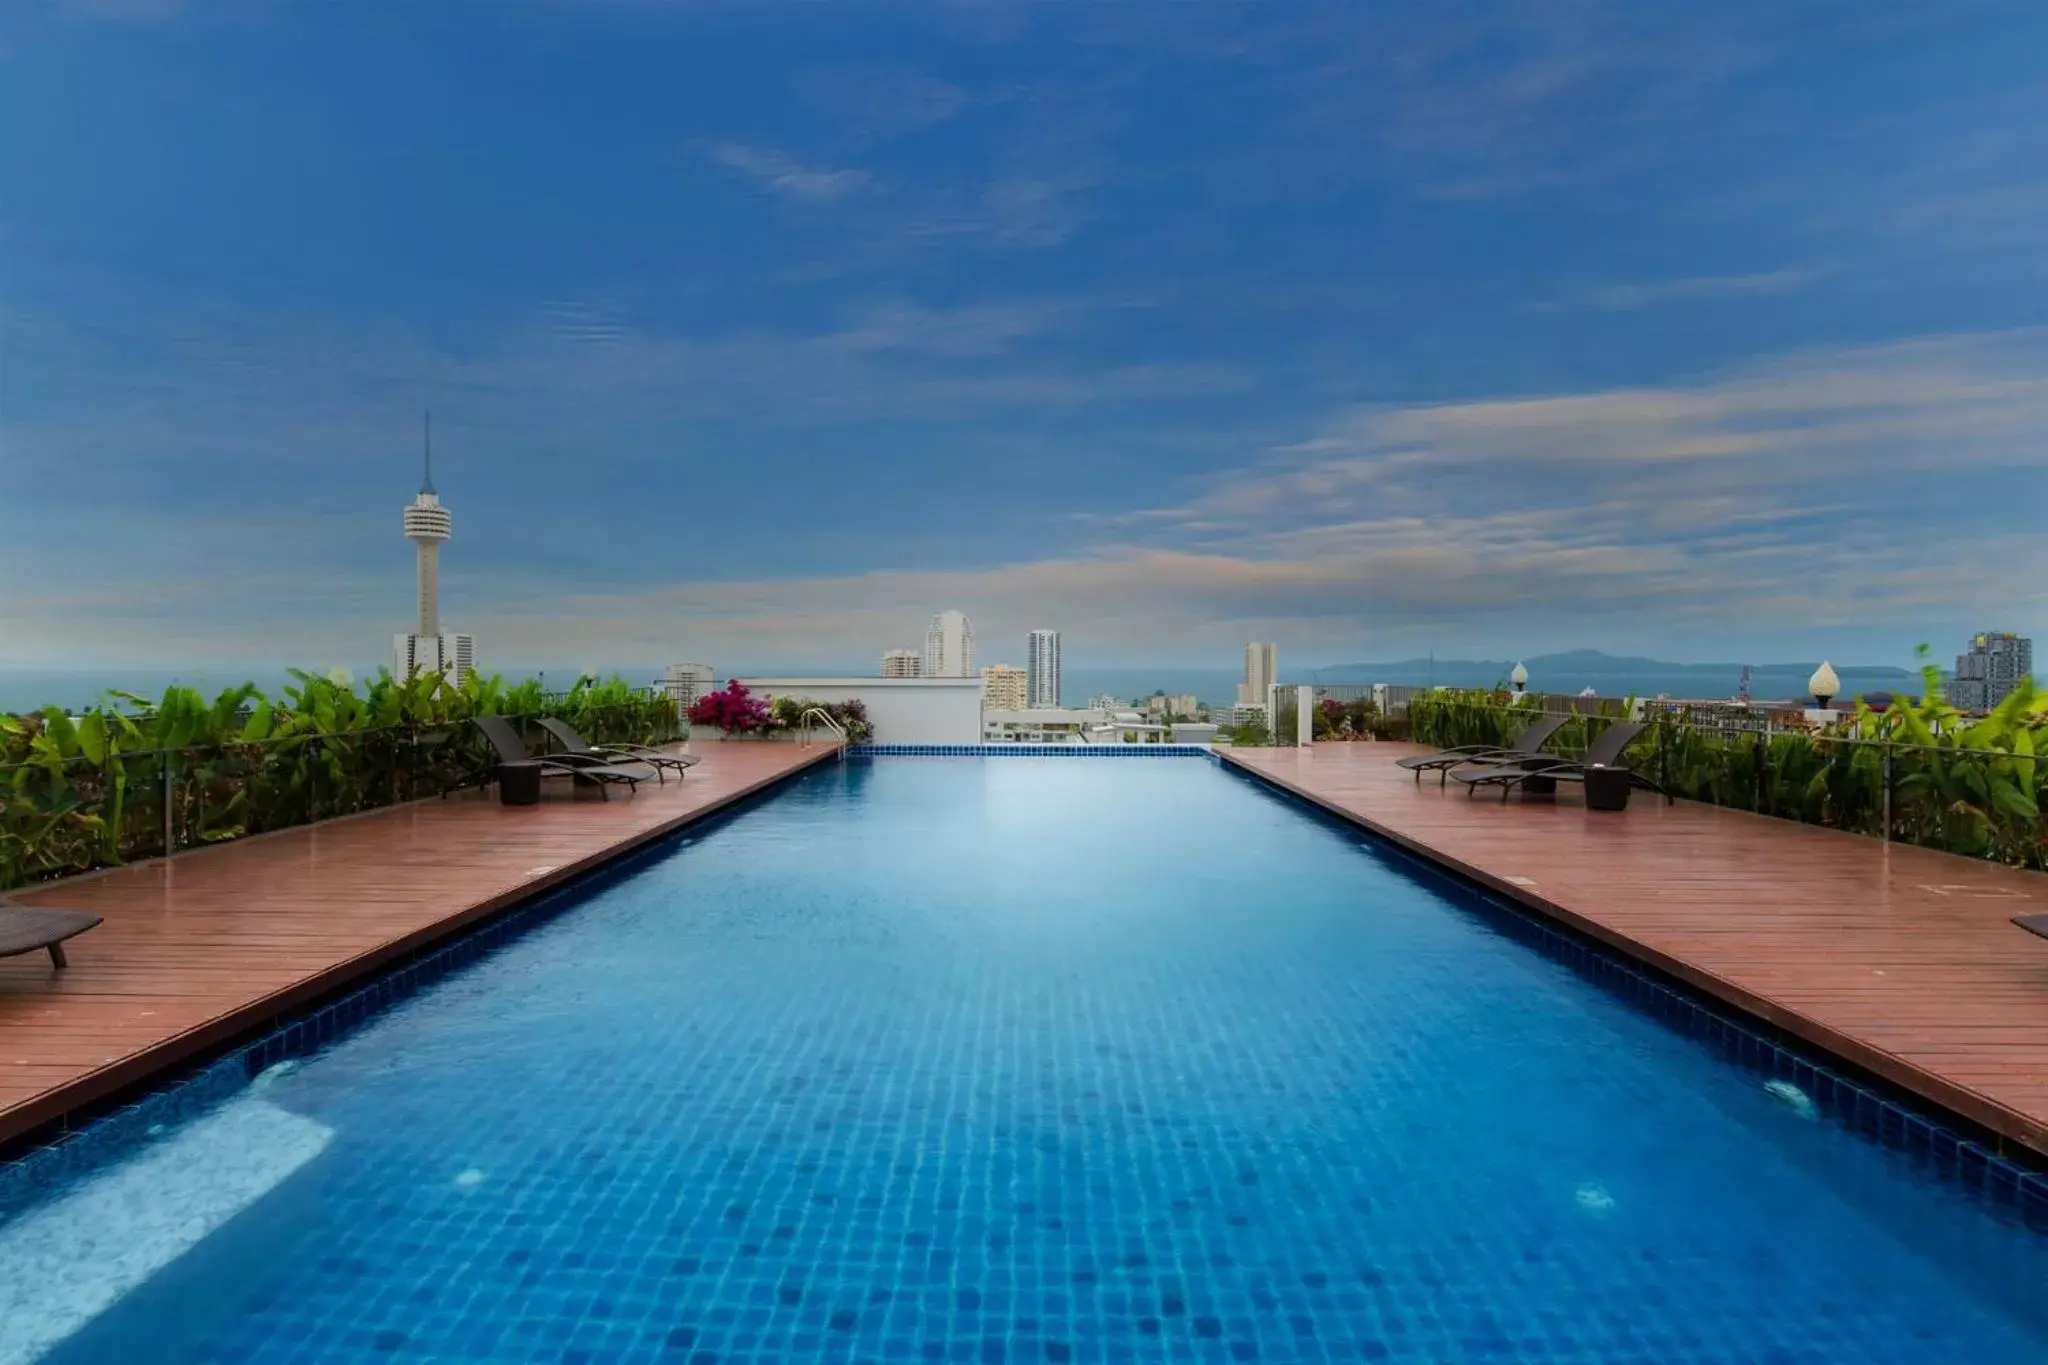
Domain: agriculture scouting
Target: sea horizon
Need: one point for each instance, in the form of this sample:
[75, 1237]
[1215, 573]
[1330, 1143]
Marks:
[31, 689]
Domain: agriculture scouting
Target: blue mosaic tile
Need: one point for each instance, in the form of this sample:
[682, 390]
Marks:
[765, 1097]
[1030, 751]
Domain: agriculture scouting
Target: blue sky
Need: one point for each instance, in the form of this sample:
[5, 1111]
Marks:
[758, 333]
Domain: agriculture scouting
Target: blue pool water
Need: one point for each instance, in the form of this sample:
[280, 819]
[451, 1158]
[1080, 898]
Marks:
[1000, 1061]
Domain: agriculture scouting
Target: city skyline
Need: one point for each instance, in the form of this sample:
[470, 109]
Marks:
[1527, 334]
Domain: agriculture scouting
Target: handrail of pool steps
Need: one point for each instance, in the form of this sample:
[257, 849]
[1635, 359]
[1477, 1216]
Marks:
[803, 730]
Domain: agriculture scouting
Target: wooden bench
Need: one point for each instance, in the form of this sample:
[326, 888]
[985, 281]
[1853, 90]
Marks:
[23, 930]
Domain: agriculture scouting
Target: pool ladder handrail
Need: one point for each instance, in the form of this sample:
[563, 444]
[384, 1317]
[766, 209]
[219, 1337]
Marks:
[803, 728]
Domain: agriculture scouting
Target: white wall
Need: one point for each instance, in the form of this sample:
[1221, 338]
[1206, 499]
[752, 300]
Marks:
[902, 710]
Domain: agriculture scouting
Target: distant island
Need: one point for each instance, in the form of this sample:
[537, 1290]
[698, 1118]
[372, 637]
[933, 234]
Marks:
[1620, 675]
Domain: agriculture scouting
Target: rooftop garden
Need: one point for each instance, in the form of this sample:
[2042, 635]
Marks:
[1916, 770]
[136, 777]
[736, 711]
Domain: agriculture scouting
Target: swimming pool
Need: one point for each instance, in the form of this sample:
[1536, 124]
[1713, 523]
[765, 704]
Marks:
[982, 1060]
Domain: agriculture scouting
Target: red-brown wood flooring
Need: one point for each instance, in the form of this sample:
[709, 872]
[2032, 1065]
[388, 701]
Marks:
[1900, 959]
[205, 947]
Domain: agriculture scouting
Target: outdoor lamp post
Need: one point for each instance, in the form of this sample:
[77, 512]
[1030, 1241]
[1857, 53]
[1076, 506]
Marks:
[1824, 685]
[1520, 678]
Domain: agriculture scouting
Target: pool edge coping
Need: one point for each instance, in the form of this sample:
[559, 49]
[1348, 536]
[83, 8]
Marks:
[47, 1119]
[2024, 1177]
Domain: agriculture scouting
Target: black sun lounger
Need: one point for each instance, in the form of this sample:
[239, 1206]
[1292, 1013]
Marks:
[1531, 740]
[511, 749]
[23, 929]
[1604, 751]
[575, 746]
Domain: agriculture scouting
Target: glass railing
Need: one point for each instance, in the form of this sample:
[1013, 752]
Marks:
[65, 815]
[1989, 803]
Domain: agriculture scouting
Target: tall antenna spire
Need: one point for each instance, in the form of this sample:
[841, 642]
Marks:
[427, 479]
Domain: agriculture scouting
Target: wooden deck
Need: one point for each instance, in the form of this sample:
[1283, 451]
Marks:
[1899, 959]
[202, 948]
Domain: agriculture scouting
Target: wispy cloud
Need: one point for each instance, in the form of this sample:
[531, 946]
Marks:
[1822, 419]
[1806, 492]
[1626, 297]
[780, 173]
[141, 10]
[874, 101]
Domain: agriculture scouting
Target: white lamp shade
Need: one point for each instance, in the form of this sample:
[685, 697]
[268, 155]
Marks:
[1824, 683]
[1519, 677]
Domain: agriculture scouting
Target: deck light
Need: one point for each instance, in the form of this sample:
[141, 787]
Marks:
[1824, 685]
[1520, 677]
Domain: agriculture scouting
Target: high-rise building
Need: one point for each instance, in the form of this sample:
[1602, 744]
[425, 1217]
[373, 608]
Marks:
[1261, 671]
[902, 663]
[684, 683]
[1991, 669]
[949, 646]
[1004, 688]
[427, 648]
[1044, 664]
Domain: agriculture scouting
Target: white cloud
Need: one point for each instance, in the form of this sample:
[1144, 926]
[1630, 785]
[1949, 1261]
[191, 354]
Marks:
[1801, 428]
[1628, 297]
[142, 10]
[781, 173]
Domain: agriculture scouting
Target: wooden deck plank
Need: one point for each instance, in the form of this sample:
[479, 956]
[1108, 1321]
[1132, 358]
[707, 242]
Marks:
[204, 947]
[1899, 959]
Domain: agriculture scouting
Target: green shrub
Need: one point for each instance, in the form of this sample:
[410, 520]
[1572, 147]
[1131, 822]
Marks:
[1963, 784]
[134, 776]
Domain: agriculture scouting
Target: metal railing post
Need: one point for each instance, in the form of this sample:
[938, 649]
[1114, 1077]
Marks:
[312, 779]
[1887, 791]
[170, 826]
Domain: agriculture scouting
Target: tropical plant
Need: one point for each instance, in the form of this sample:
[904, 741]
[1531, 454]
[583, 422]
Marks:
[786, 713]
[134, 777]
[1916, 770]
[1251, 732]
[731, 708]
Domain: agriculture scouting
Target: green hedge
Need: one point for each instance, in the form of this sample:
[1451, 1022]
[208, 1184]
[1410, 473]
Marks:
[135, 777]
[1959, 783]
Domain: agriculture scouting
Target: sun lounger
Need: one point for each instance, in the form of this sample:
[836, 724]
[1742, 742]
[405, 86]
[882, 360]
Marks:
[1537, 734]
[23, 929]
[511, 749]
[1604, 752]
[575, 744]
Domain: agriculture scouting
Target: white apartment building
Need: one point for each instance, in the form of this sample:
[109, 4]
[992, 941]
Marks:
[1105, 702]
[1004, 688]
[684, 683]
[1044, 665]
[1037, 725]
[1057, 725]
[902, 663]
[452, 656]
[949, 646]
[1176, 704]
[1261, 671]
